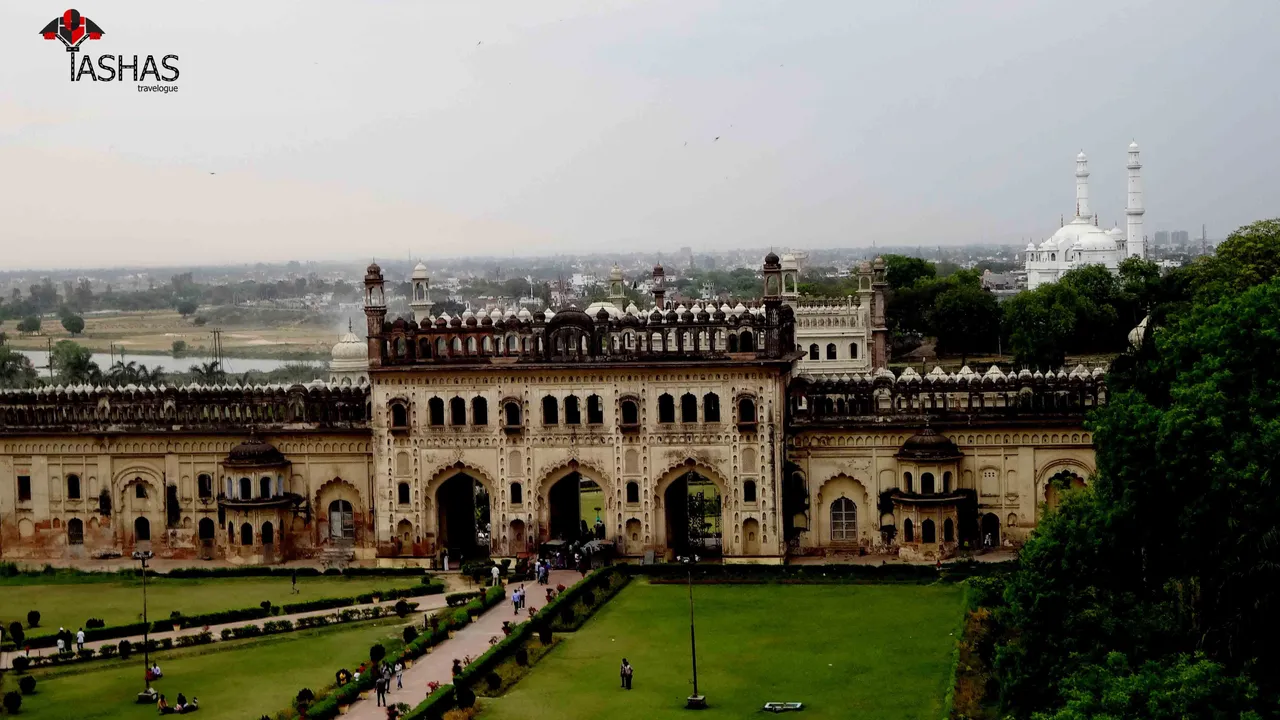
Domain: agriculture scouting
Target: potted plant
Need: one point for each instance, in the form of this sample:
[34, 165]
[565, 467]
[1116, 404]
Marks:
[176, 618]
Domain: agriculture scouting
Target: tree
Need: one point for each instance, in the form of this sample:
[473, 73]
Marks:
[1100, 306]
[73, 324]
[179, 347]
[1041, 324]
[74, 363]
[901, 271]
[965, 320]
[187, 307]
[16, 370]
[33, 618]
[209, 372]
[29, 324]
[16, 633]
[376, 653]
[12, 702]
[1249, 256]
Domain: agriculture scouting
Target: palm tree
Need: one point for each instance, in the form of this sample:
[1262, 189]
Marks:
[209, 373]
[16, 370]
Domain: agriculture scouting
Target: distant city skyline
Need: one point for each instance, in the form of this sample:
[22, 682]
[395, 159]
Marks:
[568, 127]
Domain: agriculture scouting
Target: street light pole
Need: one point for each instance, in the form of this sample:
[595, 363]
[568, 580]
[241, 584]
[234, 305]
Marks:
[695, 701]
[147, 695]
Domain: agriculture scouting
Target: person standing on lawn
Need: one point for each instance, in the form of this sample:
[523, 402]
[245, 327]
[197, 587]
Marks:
[294, 579]
[626, 672]
[80, 640]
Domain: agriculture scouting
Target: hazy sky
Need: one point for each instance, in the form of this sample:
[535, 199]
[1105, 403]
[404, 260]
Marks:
[357, 129]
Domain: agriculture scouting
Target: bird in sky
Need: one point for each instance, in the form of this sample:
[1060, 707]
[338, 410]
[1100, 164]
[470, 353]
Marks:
[717, 138]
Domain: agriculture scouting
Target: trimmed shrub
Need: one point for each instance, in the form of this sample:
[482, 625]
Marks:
[16, 633]
[492, 680]
[226, 633]
[27, 684]
[12, 702]
[33, 618]
[410, 634]
[85, 654]
[92, 623]
[544, 634]
[522, 657]
[304, 696]
[107, 651]
[377, 653]
[402, 608]
[463, 696]
[126, 649]
[20, 663]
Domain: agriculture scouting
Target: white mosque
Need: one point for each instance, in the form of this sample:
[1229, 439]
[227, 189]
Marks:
[1081, 242]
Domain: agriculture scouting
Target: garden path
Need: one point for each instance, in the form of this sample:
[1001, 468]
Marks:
[426, 603]
[471, 641]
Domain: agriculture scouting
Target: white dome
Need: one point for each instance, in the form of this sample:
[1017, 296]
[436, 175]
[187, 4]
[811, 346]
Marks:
[420, 272]
[1081, 156]
[350, 347]
[1133, 146]
[1031, 245]
[1096, 241]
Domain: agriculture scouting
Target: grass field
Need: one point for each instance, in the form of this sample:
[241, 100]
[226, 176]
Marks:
[879, 652]
[69, 604]
[238, 679]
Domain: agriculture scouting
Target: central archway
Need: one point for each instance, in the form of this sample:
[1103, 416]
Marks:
[463, 517]
[576, 508]
[692, 511]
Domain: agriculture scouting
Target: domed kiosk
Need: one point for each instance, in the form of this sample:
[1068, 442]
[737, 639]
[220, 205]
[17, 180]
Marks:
[926, 506]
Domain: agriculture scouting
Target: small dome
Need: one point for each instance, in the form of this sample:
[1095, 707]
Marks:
[255, 453]
[771, 258]
[571, 316]
[1081, 156]
[349, 347]
[928, 444]
[1133, 146]
[420, 272]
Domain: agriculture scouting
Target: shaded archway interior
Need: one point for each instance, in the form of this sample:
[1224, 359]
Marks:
[692, 505]
[577, 509]
[463, 517]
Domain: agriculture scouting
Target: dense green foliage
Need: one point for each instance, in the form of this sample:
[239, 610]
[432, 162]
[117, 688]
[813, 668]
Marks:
[1151, 594]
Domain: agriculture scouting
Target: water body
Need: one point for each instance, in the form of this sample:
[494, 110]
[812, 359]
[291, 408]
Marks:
[170, 364]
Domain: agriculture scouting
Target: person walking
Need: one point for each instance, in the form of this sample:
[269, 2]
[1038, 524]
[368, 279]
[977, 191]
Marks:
[380, 686]
[80, 640]
[626, 672]
[495, 572]
[294, 578]
[399, 675]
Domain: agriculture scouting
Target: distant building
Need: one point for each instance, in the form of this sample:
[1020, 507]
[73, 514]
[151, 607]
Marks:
[1180, 238]
[687, 254]
[1081, 242]
[997, 281]
[1162, 238]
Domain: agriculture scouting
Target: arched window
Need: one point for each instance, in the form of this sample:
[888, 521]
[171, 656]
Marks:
[844, 520]
[907, 480]
[688, 408]
[479, 411]
[946, 482]
[517, 494]
[746, 411]
[204, 487]
[342, 519]
[206, 529]
[435, 412]
[633, 492]
[926, 484]
[142, 530]
[246, 534]
[733, 343]
[513, 345]
[512, 412]
[487, 345]
[471, 346]
[139, 489]
[926, 532]
[246, 488]
[666, 408]
[630, 412]
[264, 487]
[747, 342]
[948, 531]
[711, 408]
[424, 349]
[402, 493]
[853, 350]
[908, 531]
[457, 411]
[749, 491]
[75, 531]
[550, 411]
[442, 348]
[73, 487]
[831, 351]
[572, 413]
[399, 417]
[813, 351]
[268, 534]
[595, 410]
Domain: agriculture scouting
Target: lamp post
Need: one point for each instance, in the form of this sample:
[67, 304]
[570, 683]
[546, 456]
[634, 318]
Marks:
[695, 701]
[147, 695]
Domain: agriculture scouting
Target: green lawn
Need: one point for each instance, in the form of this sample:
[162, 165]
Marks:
[238, 679]
[70, 603]
[879, 652]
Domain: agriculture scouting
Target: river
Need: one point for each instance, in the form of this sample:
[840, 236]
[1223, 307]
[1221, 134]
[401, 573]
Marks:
[170, 364]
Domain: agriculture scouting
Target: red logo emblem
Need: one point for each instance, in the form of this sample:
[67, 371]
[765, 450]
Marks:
[72, 29]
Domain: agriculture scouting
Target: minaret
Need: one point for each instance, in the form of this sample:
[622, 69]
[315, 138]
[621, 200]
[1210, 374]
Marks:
[617, 295]
[421, 302]
[1082, 187]
[1135, 243]
[375, 311]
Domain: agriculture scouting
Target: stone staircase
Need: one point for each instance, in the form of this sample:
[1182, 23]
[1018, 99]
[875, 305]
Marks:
[337, 554]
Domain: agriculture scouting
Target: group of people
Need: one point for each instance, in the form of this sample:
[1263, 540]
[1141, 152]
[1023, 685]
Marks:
[65, 638]
[181, 706]
[153, 672]
[517, 599]
[382, 683]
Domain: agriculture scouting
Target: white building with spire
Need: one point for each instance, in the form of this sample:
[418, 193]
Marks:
[1082, 242]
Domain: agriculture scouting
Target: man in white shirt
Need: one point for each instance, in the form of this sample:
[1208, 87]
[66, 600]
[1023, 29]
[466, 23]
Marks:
[80, 639]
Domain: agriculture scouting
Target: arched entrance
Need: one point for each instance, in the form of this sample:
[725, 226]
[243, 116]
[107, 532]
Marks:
[692, 512]
[142, 530]
[576, 505]
[342, 520]
[990, 531]
[1061, 483]
[462, 517]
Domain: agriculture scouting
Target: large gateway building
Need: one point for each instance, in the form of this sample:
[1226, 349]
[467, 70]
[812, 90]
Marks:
[655, 430]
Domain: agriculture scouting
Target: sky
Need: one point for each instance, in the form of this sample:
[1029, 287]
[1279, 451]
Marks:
[332, 130]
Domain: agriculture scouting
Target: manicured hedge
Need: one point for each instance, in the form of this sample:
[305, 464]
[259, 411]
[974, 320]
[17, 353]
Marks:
[810, 574]
[285, 572]
[435, 706]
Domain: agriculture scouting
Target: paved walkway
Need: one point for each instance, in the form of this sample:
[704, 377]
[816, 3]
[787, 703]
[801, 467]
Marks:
[472, 641]
[426, 603]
